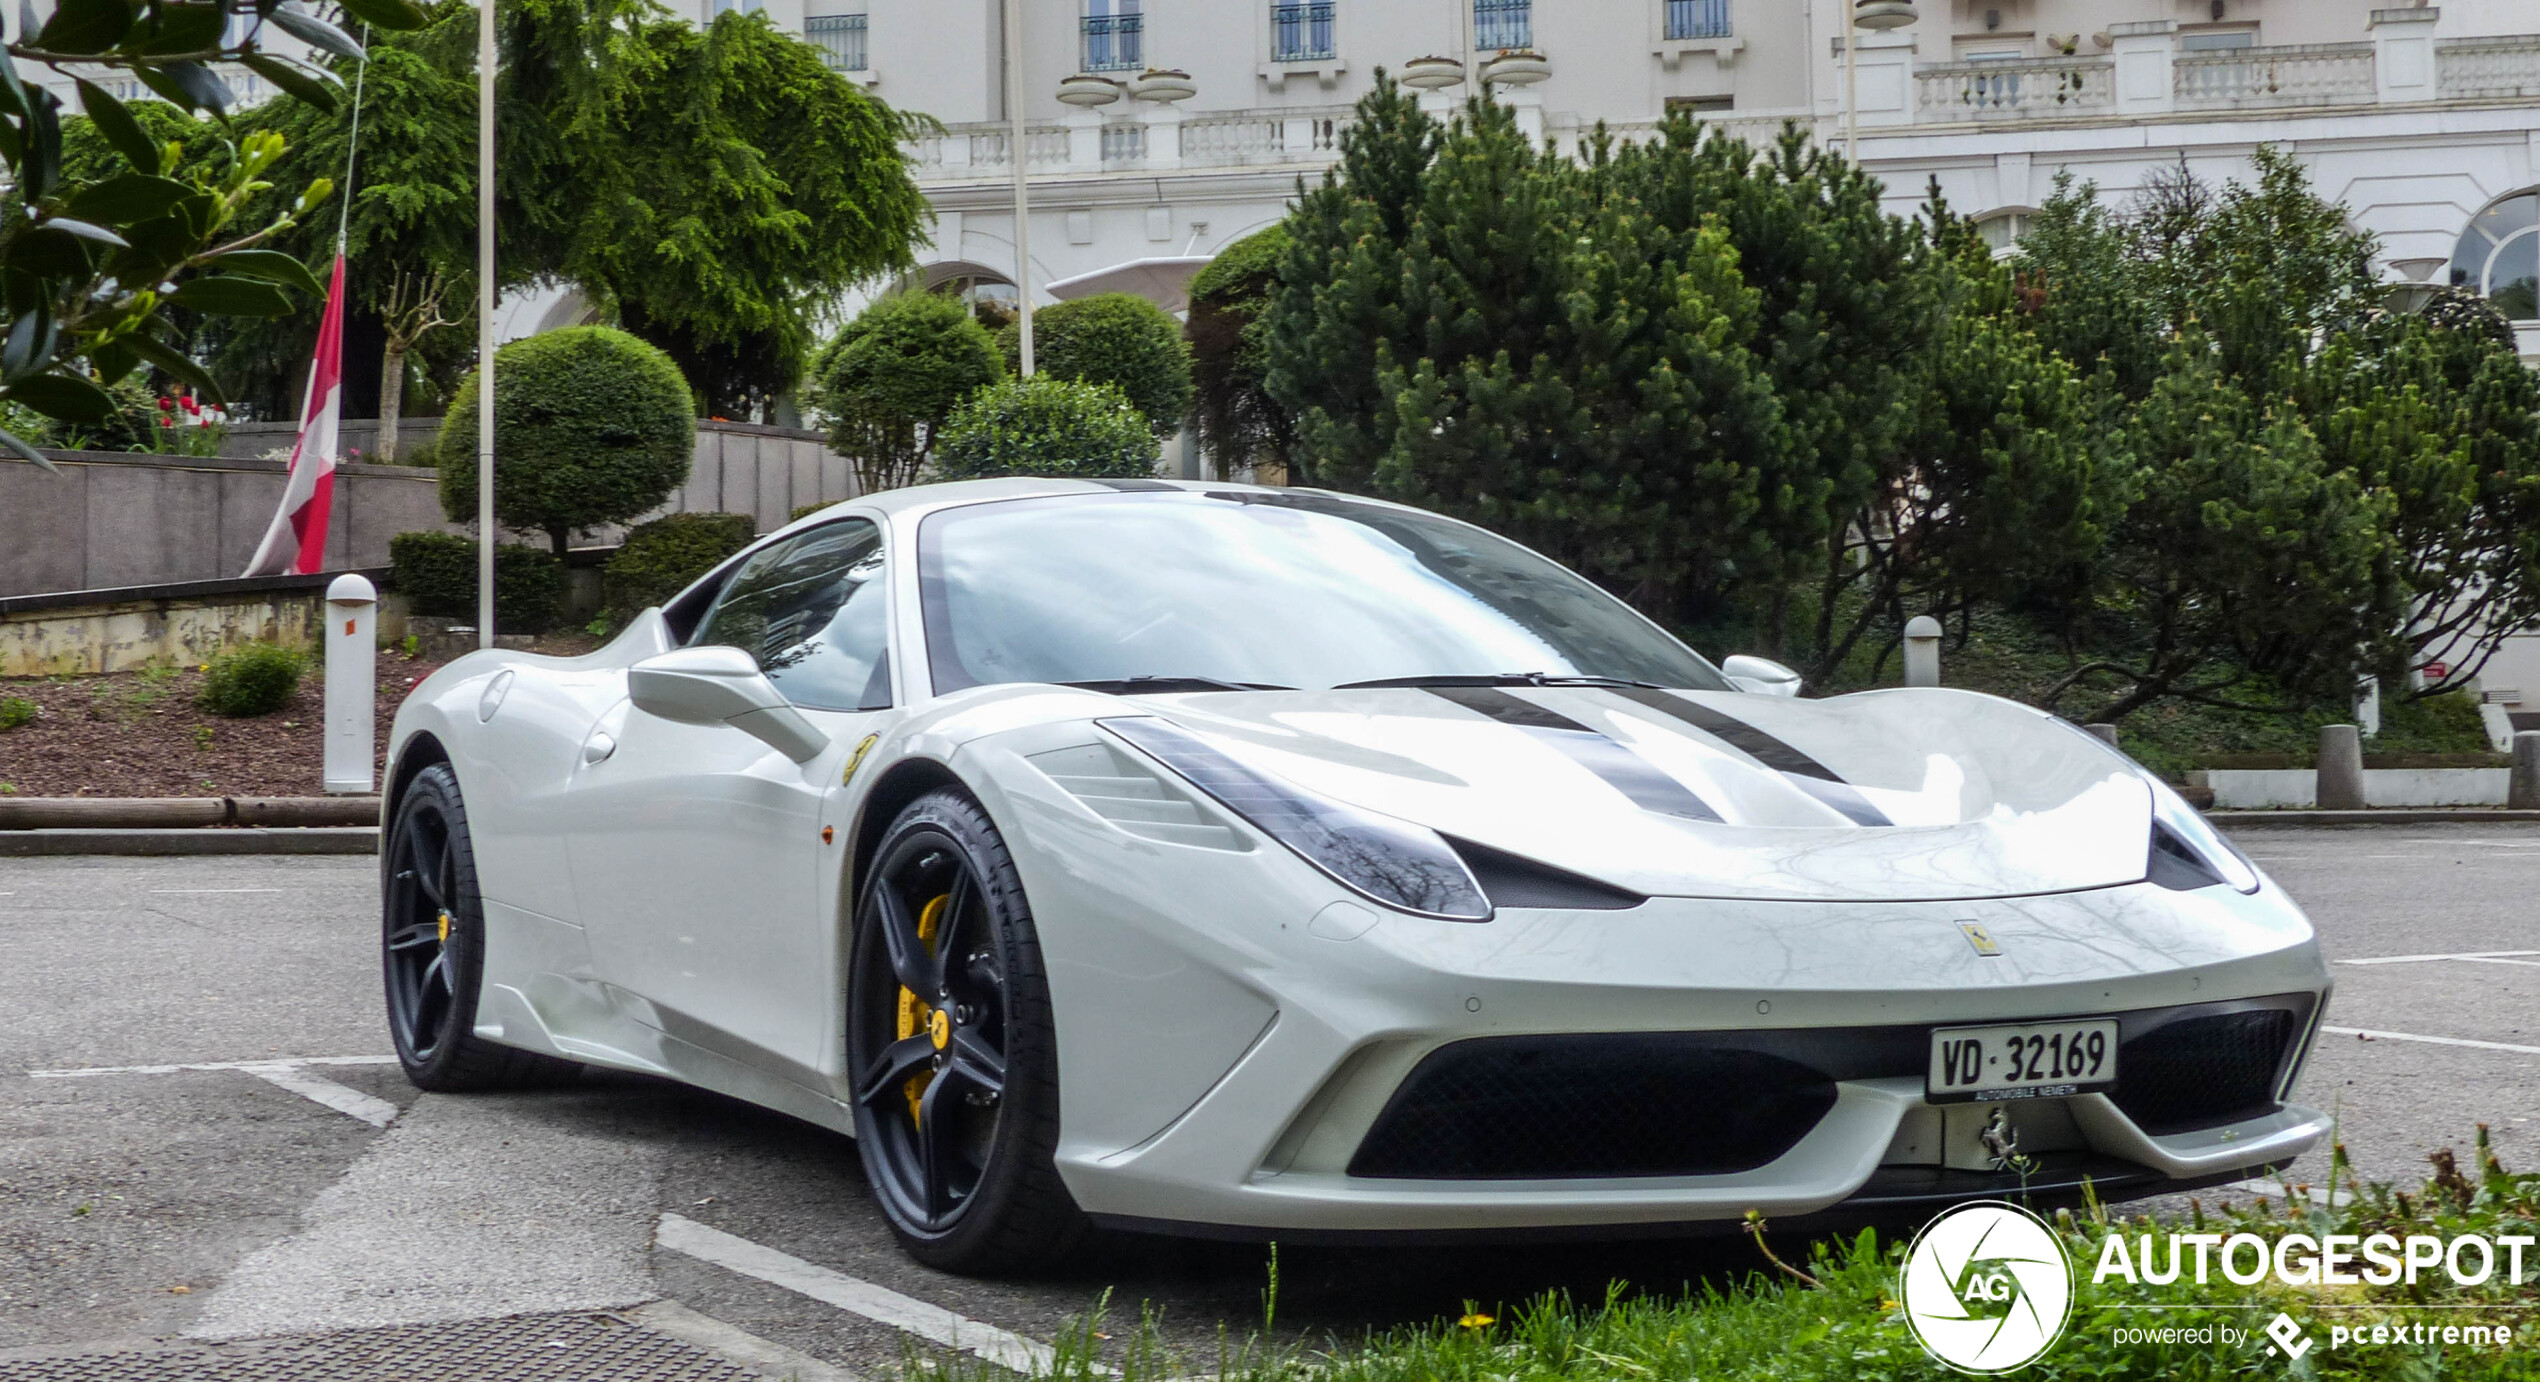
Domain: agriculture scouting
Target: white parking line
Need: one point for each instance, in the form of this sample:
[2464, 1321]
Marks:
[2280, 1191]
[2501, 957]
[86, 1071]
[880, 1304]
[344, 1099]
[214, 890]
[2371, 1035]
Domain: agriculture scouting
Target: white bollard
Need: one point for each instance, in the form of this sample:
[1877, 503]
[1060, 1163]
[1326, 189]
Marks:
[1922, 651]
[352, 683]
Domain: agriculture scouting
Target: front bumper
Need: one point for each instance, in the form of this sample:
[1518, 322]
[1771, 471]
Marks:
[1272, 1147]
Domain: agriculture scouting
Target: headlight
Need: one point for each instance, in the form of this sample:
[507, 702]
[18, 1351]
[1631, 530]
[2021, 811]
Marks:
[2187, 852]
[1392, 861]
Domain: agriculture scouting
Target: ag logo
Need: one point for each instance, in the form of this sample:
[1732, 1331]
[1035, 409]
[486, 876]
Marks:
[1987, 1288]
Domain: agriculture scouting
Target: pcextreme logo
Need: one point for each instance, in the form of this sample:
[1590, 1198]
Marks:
[1987, 1288]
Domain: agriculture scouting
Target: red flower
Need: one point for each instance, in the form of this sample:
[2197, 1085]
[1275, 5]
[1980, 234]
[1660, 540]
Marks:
[166, 404]
[190, 405]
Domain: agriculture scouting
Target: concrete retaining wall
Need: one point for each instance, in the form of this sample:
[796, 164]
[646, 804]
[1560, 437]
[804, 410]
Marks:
[112, 520]
[120, 630]
[2261, 788]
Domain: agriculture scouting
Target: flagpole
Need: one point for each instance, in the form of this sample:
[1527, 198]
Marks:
[352, 151]
[485, 325]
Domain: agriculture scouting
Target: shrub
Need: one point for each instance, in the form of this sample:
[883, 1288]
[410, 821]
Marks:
[16, 711]
[436, 572]
[593, 426]
[1046, 426]
[1113, 338]
[1233, 416]
[890, 378]
[660, 558]
[807, 510]
[252, 679]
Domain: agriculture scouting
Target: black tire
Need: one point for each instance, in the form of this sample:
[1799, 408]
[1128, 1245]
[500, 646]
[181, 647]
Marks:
[983, 1196]
[432, 948]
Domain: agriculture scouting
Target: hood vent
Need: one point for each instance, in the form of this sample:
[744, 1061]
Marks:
[1123, 792]
[1511, 880]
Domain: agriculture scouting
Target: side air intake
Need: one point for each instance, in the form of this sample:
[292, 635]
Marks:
[1511, 880]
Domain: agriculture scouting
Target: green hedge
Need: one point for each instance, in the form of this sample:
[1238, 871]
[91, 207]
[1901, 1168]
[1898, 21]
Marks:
[594, 426]
[660, 558]
[1112, 338]
[1046, 426]
[436, 572]
[253, 679]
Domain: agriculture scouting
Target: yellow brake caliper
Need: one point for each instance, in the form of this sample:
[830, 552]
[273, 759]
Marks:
[915, 1014]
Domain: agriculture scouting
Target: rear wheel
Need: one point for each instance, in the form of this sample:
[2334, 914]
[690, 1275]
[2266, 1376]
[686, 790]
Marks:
[953, 1049]
[432, 948]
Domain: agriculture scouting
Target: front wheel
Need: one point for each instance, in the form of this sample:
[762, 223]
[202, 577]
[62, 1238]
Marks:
[432, 948]
[953, 1048]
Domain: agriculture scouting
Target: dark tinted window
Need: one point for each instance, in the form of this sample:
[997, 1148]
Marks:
[1288, 589]
[811, 610]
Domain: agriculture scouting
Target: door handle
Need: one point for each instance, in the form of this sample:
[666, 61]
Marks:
[597, 747]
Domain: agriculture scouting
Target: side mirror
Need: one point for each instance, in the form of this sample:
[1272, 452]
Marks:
[722, 686]
[1761, 675]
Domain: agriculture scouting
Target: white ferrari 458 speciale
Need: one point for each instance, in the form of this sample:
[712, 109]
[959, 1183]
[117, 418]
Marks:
[1211, 859]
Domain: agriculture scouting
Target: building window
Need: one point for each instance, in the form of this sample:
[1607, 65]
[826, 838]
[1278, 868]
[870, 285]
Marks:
[1697, 18]
[840, 38]
[2499, 256]
[1301, 33]
[2002, 231]
[1503, 24]
[1114, 36]
[1698, 106]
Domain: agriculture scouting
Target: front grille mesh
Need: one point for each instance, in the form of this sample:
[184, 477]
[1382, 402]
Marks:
[1565, 1107]
[2204, 1071]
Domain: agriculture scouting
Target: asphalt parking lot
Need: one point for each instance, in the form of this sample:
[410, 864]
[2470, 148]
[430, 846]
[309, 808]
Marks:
[201, 1136]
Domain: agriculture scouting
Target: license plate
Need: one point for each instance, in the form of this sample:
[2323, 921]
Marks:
[2033, 1060]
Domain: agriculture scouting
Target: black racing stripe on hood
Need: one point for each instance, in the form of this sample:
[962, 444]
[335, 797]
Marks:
[1805, 773]
[1619, 767]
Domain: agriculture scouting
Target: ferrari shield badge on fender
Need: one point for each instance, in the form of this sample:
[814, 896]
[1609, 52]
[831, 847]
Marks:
[1977, 936]
[855, 760]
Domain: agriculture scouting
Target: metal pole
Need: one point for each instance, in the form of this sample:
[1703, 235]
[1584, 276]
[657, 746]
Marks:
[1019, 155]
[1851, 92]
[485, 325]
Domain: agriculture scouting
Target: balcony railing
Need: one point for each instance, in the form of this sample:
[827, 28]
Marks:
[1697, 19]
[1504, 24]
[1301, 33]
[2488, 69]
[840, 39]
[2308, 74]
[1227, 139]
[2012, 90]
[1114, 42]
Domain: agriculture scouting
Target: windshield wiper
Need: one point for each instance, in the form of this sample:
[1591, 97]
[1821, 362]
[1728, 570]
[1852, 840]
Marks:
[1501, 679]
[1148, 685]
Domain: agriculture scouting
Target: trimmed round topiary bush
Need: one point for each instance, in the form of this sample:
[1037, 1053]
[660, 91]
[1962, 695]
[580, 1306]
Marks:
[890, 378]
[593, 425]
[436, 572]
[1113, 338]
[660, 558]
[252, 679]
[1046, 426]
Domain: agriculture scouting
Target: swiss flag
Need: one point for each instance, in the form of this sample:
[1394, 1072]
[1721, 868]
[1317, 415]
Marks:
[296, 543]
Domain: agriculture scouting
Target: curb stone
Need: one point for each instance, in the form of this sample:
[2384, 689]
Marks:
[354, 839]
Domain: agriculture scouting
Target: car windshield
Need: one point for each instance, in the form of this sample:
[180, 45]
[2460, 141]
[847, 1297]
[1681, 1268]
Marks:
[1250, 589]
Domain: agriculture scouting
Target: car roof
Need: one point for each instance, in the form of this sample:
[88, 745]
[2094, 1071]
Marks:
[914, 499]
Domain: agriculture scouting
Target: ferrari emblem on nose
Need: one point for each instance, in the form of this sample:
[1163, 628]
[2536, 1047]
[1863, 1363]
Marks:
[1981, 939]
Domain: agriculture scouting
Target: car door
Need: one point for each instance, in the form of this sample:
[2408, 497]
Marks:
[697, 848]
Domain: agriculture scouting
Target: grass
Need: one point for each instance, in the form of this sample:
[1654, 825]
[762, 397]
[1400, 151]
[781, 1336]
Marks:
[1842, 1323]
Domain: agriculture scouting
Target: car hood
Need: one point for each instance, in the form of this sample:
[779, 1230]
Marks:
[1913, 795]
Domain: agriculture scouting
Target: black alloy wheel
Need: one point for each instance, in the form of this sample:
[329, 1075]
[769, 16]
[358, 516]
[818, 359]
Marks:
[951, 1049]
[432, 947]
